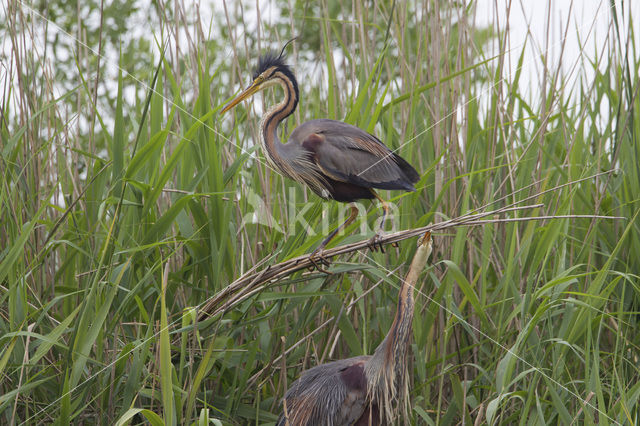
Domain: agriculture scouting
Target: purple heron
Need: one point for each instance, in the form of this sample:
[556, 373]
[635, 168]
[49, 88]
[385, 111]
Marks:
[364, 390]
[334, 159]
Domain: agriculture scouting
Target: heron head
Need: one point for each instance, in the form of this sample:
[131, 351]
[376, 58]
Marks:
[271, 70]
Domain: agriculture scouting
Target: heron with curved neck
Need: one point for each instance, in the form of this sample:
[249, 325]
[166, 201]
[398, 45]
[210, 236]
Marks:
[363, 390]
[334, 159]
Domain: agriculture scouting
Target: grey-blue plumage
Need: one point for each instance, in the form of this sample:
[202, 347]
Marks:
[336, 160]
[363, 390]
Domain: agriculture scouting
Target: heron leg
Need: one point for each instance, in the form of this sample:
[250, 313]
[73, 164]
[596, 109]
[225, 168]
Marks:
[317, 253]
[375, 242]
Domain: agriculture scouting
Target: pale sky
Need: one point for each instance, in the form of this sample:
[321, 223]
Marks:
[588, 32]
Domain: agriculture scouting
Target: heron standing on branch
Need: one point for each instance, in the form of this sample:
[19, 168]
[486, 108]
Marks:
[364, 390]
[335, 159]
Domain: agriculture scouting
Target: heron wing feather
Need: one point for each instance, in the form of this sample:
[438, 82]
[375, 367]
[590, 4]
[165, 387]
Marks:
[349, 154]
[331, 394]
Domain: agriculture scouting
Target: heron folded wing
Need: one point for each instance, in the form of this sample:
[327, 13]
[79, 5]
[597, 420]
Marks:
[328, 394]
[349, 154]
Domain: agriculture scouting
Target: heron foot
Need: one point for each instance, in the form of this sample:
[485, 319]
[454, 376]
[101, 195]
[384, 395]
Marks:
[375, 243]
[319, 261]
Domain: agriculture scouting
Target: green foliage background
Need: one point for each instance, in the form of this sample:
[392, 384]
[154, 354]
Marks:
[126, 202]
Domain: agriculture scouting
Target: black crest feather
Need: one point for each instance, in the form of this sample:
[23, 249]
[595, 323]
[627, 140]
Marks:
[271, 59]
[268, 60]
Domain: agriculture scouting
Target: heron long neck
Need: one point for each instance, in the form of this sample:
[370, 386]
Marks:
[392, 351]
[274, 116]
[387, 369]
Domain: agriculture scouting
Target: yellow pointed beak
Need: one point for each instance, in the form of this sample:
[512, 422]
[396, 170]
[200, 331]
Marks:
[248, 92]
[426, 239]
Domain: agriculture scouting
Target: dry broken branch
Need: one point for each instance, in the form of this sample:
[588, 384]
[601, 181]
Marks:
[254, 281]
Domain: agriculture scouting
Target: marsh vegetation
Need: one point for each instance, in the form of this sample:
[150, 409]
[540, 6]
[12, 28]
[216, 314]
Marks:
[126, 203]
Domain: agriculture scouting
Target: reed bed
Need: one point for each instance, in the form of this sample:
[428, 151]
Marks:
[127, 205]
